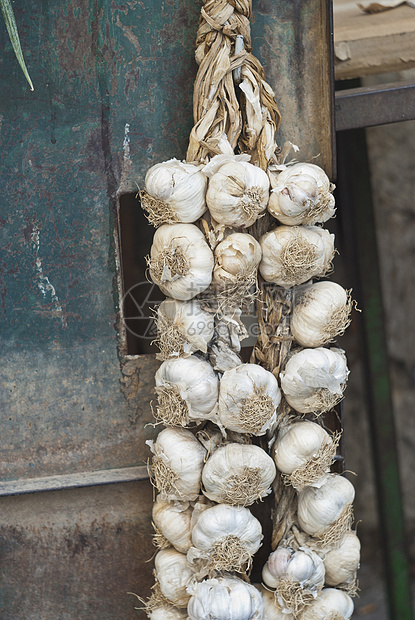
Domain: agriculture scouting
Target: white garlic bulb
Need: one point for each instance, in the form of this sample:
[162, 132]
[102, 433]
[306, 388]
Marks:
[321, 312]
[313, 380]
[224, 539]
[177, 464]
[187, 389]
[292, 255]
[248, 399]
[181, 262]
[173, 573]
[331, 604]
[183, 327]
[172, 520]
[224, 598]
[272, 610]
[342, 562]
[175, 191]
[238, 474]
[236, 260]
[301, 194]
[237, 194]
[325, 508]
[166, 613]
[303, 452]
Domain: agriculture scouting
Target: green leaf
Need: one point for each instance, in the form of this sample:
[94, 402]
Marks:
[11, 26]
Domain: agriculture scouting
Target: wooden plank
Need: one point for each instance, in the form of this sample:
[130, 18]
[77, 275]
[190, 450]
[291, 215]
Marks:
[368, 44]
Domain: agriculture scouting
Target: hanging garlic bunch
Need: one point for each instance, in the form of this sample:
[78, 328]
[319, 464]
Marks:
[181, 262]
[224, 539]
[224, 598]
[313, 380]
[321, 312]
[176, 469]
[187, 389]
[325, 508]
[292, 255]
[331, 604]
[272, 609]
[238, 474]
[236, 260]
[342, 562]
[301, 194]
[175, 191]
[183, 327]
[248, 399]
[173, 574]
[297, 577]
[303, 452]
[237, 192]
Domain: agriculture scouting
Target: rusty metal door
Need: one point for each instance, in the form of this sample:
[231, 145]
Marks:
[113, 91]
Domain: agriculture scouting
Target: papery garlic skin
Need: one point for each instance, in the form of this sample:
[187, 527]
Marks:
[248, 399]
[321, 312]
[224, 598]
[183, 328]
[166, 613]
[321, 505]
[236, 258]
[237, 194]
[238, 474]
[173, 521]
[173, 573]
[272, 611]
[331, 604]
[175, 192]
[187, 389]
[292, 255]
[225, 538]
[314, 380]
[181, 262]
[303, 566]
[297, 443]
[177, 464]
[301, 194]
[342, 562]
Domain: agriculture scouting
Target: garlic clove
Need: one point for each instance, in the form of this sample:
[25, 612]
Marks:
[175, 191]
[292, 255]
[173, 574]
[187, 390]
[224, 598]
[321, 312]
[248, 399]
[331, 604]
[181, 261]
[176, 468]
[238, 474]
[301, 194]
[342, 562]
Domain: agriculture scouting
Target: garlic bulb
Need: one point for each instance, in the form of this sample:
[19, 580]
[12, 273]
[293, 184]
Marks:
[236, 260]
[238, 474]
[325, 509]
[187, 389]
[237, 194]
[224, 539]
[272, 610]
[172, 522]
[331, 604]
[248, 399]
[176, 468]
[301, 194]
[166, 613]
[173, 574]
[342, 562]
[181, 262]
[321, 312]
[175, 191]
[224, 598]
[297, 576]
[183, 327]
[303, 452]
[313, 380]
[293, 254]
